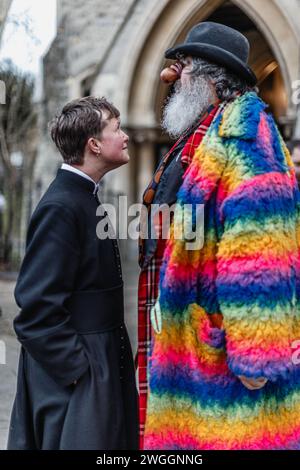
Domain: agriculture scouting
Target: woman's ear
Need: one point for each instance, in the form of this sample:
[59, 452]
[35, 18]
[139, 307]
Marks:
[94, 145]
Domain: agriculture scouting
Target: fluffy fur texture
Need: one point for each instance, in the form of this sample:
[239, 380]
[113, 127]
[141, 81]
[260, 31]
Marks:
[248, 271]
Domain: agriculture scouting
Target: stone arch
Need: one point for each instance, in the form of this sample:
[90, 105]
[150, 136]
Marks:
[170, 26]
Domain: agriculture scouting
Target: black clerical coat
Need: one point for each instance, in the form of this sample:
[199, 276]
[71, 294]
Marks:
[71, 328]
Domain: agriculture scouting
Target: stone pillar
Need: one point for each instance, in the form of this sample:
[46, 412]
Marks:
[4, 7]
[296, 135]
[145, 162]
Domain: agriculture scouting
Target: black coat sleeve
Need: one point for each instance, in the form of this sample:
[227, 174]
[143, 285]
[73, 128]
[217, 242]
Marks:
[46, 280]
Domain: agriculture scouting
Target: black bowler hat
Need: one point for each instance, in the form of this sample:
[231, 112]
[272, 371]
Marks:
[219, 44]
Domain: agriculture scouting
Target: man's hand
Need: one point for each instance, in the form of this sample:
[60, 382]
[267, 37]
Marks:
[253, 384]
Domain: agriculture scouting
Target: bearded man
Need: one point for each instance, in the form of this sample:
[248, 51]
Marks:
[225, 316]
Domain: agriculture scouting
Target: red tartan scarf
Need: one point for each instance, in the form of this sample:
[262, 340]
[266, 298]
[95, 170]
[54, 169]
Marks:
[196, 137]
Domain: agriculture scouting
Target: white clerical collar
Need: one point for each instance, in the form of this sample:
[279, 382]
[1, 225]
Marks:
[66, 166]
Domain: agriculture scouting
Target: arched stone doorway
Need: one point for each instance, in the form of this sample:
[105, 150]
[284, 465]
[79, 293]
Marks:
[272, 36]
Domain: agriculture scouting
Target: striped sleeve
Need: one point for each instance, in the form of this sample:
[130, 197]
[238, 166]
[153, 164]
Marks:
[257, 276]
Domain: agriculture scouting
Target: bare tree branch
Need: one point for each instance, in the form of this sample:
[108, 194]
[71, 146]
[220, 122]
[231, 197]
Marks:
[4, 154]
[18, 132]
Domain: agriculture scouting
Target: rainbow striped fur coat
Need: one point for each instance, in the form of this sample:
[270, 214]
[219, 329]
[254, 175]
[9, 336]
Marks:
[232, 307]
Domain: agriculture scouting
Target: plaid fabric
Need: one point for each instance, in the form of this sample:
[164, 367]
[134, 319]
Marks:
[147, 295]
[195, 140]
[150, 191]
[149, 276]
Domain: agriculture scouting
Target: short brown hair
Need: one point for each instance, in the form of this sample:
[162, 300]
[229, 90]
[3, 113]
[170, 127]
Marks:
[78, 121]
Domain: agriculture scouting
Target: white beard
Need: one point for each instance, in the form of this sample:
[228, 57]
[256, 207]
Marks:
[186, 105]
